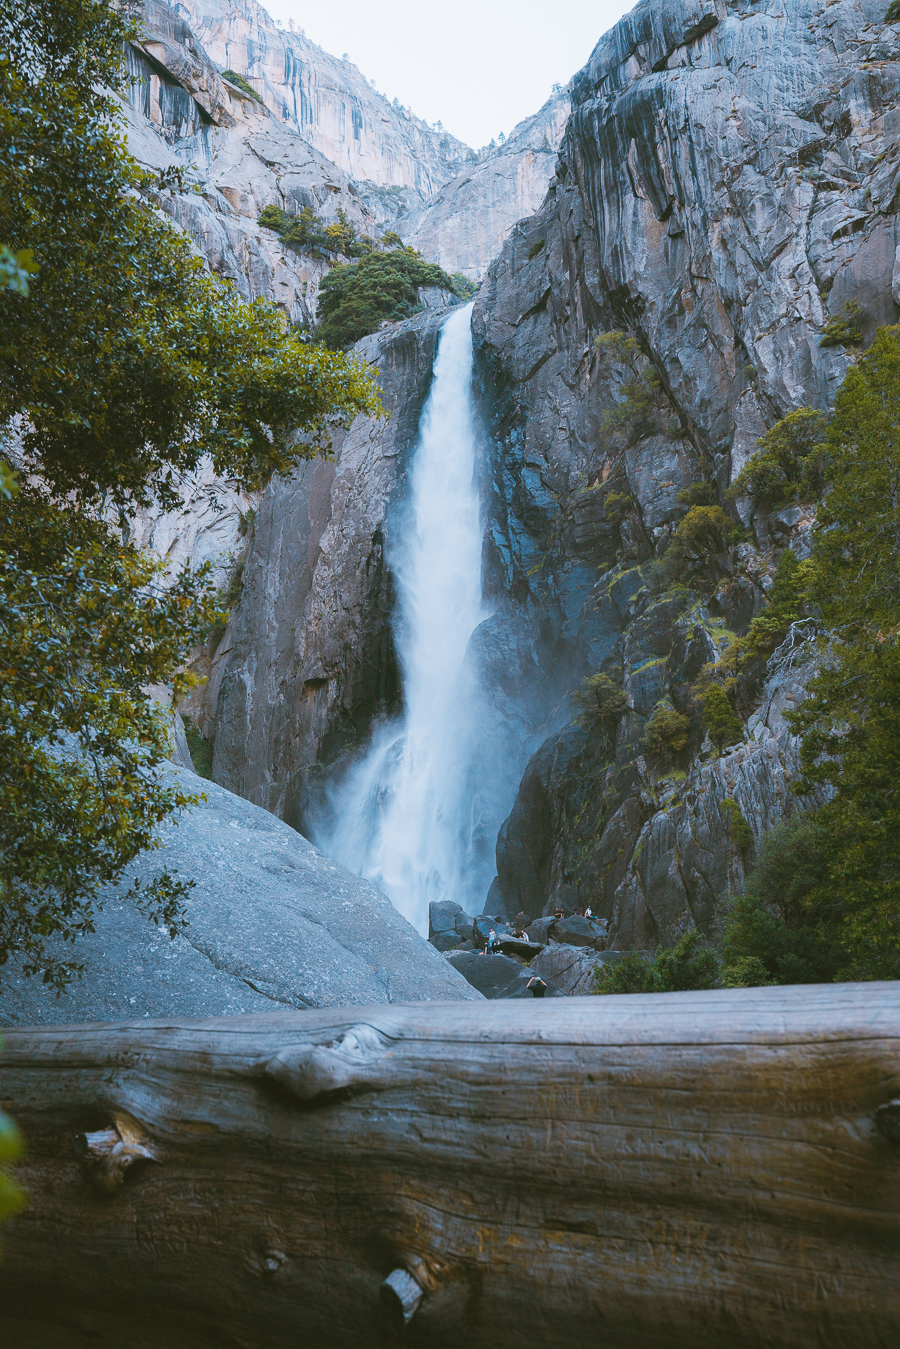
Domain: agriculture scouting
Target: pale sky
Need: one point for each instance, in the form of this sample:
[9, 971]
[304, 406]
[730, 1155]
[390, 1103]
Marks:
[478, 66]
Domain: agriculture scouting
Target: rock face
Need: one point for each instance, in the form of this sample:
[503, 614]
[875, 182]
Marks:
[326, 100]
[271, 923]
[726, 183]
[464, 226]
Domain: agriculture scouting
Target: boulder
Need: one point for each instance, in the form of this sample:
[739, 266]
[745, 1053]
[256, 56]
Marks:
[271, 923]
[448, 924]
[498, 976]
[576, 931]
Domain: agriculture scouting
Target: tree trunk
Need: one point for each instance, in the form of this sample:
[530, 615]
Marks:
[692, 1169]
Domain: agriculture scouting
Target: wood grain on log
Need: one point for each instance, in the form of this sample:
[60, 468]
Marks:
[703, 1169]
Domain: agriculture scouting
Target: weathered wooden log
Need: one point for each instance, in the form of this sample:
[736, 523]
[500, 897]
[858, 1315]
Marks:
[704, 1169]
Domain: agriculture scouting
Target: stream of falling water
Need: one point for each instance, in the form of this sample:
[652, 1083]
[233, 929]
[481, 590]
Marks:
[408, 816]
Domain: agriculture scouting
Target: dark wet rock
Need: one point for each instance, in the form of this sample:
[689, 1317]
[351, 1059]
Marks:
[491, 975]
[576, 931]
[515, 946]
[271, 922]
[448, 925]
[498, 976]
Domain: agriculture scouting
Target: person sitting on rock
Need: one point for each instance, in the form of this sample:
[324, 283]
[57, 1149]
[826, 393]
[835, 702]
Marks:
[587, 912]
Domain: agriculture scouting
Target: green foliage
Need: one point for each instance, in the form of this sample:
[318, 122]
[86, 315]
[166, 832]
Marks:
[844, 330]
[720, 719]
[463, 287]
[698, 494]
[786, 605]
[11, 1197]
[644, 404]
[535, 248]
[84, 628]
[739, 830]
[850, 720]
[308, 233]
[128, 361]
[893, 12]
[273, 218]
[782, 930]
[666, 732]
[201, 750]
[789, 464]
[601, 703]
[687, 965]
[702, 533]
[126, 364]
[234, 78]
[356, 299]
[16, 269]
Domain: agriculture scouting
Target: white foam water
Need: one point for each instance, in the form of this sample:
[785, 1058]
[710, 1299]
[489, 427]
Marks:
[408, 816]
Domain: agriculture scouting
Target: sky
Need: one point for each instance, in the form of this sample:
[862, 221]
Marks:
[477, 66]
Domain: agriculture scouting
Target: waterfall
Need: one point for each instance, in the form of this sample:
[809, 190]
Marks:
[409, 817]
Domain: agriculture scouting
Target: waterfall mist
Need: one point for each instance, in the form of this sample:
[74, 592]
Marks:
[409, 816]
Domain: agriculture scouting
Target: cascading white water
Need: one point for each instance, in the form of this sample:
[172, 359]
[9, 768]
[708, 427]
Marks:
[408, 816]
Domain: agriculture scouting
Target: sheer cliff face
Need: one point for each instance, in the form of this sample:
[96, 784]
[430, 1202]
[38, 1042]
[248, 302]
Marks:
[727, 182]
[329, 102]
[464, 227]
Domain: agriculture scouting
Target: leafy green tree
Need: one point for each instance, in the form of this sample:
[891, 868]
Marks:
[789, 463]
[644, 408]
[850, 721]
[667, 731]
[356, 299]
[739, 831]
[720, 719]
[124, 364]
[242, 83]
[782, 930]
[128, 362]
[687, 965]
[600, 702]
[846, 329]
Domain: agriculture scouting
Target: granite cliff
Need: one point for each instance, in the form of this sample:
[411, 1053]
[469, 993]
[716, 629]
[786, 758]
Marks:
[726, 184]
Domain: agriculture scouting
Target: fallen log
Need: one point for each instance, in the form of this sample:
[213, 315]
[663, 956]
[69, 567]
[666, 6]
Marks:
[695, 1169]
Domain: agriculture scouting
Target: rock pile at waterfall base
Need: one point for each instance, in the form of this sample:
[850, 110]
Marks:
[563, 953]
[271, 922]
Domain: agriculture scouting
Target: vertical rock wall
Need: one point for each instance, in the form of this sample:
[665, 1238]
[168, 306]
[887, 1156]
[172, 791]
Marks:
[727, 182]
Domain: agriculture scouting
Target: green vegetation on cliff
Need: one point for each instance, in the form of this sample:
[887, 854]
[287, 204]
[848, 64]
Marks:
[354, 300]
[122, 364]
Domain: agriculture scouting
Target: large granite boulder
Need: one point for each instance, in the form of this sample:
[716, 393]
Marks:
[271, 922]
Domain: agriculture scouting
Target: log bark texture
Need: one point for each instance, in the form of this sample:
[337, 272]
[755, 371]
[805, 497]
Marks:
[657, 1172]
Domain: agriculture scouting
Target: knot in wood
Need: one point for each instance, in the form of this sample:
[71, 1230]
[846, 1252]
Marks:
[108, 1154]
[356, 1060]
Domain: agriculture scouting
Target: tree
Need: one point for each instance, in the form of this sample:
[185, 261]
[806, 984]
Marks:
[789, 463]
[720, 719]
[850, 722]
[667, 731]
[601, 702]
[780, 931]
[689, 964]
[124, 363]
[356, 299]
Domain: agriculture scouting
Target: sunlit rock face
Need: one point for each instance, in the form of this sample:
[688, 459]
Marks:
[726, 183]
[328, 101]
[465, 226]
